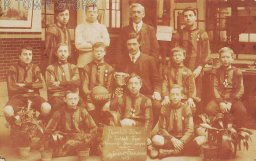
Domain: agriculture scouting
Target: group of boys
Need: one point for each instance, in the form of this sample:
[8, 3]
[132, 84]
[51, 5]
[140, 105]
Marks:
[168, 121]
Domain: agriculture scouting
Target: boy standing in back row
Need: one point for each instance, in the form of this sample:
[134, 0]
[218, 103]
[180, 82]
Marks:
[88, 34]
[55, 34]
[196, 43]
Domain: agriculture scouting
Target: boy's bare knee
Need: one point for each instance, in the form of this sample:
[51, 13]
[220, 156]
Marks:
[8, 111]
[45, 108]
[158, 140]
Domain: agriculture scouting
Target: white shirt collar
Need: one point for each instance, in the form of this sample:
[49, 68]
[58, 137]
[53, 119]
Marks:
[92, 23]
[137, 55]
[139, 25]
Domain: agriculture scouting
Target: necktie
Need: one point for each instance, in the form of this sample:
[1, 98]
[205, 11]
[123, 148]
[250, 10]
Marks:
[137, 28]
[133, 59]
[63, 74]
[98, 74]
[175, 121]
[226, 83]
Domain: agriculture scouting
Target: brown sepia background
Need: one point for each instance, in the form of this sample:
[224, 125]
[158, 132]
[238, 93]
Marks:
[227, 22]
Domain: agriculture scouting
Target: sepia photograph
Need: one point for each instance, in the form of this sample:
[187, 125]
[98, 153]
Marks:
[127, 80]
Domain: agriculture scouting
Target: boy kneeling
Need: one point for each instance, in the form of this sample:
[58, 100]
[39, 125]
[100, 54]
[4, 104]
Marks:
[174, 130]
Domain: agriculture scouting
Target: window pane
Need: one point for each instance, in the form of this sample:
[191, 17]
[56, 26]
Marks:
[252, 37]
[113, 5]
[244, 37]
[246, 11]
[117, 6]
[107, 4]
[113, 18]
[107, 18]
[118, 19]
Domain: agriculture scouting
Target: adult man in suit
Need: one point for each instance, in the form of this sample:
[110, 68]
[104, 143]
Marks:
[146, 33]
[146, 67]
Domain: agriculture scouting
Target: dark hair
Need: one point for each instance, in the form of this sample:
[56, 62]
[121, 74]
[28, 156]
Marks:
[137, 5]
[176, 86]
[25, 47]
[59, 7]
[72, 89]
[59, 45]
[189, 9]
[133, 75]
[98, 44]
[132, 35]
[178, 48]
[90, 5]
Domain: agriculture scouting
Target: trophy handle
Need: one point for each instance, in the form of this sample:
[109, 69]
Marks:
[121, 73]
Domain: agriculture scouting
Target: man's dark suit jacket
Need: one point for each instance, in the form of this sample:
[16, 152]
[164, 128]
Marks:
[147, 39]
[145, 66]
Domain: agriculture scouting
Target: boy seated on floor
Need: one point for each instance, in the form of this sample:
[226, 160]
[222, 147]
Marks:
[71, 126]
[228, 88]
[24, 79]
[61, 76]
[179, 74]
[173, 134]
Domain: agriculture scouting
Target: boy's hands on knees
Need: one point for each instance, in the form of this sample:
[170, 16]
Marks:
[57, 137]
[200, 140]
[21, 84]
[229, 104]
[156, 96]
[30, 90]
[165, 101]
[225, 107]
[127, 122]
[56, 83]
[190, 102]
[177, 143]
